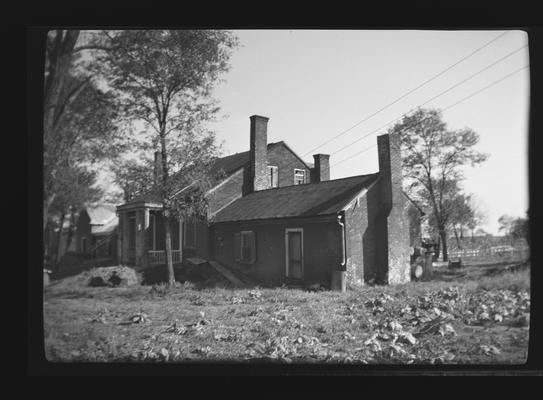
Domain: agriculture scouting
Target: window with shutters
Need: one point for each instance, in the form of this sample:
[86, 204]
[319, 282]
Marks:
[273, 173]
[245, 247]
[299, 176]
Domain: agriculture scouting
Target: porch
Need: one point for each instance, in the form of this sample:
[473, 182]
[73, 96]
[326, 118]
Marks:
[156, 257]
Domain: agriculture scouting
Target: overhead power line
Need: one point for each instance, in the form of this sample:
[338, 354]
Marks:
[444, 109]
[433, 98]
[408, 93]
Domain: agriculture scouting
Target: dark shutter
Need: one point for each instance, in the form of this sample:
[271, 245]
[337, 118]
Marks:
[252, 245]
[237, 247]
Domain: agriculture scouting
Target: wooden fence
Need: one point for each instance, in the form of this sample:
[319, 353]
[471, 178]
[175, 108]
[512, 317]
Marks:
[501, 253]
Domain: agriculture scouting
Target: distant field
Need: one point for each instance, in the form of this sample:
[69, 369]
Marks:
[479, 314]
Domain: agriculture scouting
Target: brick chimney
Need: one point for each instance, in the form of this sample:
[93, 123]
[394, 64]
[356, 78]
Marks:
[395, 250]
[390, 168]
[321, 169]
[258, 154]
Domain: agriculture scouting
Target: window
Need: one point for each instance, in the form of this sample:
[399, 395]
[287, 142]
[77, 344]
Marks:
[189, 234]
[299, 176]
[245, 247]
[272, 176]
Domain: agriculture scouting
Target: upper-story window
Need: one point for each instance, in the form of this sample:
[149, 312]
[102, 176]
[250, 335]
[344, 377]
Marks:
[273, 173]
[299, 176]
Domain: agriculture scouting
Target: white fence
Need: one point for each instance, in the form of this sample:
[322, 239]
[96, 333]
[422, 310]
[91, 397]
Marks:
[159, 256]
[497, 253]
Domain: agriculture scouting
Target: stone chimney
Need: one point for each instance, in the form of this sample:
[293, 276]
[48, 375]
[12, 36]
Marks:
[157, 173]
[321, 169]
[258, 154]
[395, 251]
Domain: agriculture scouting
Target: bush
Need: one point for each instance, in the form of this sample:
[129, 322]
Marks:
[113, 276]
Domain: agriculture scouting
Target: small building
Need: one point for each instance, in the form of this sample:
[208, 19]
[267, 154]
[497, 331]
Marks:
[278, 219]
[96, 232]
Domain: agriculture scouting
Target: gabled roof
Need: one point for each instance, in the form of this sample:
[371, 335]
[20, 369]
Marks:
[106, 228]
[228, 165]
[308, 200]
[101, 214]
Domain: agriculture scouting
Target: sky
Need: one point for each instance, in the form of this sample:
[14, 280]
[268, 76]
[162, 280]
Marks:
[314, 85]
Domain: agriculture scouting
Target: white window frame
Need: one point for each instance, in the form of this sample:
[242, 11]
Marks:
[296, 171]
[287, 231]
[272, 168]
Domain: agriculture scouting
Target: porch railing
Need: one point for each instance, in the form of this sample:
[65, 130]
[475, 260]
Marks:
[159, 256]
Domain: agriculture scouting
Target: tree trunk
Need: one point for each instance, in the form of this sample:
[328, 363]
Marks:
[70, 230]
[457, 239]
[59, 238]
[443, 236]
[165, 201]
[168, 247]
[47, 245]
[437, 249]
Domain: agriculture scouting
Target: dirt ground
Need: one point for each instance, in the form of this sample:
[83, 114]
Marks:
[476, 315]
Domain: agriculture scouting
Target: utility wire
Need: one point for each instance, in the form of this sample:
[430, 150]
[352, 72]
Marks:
[444, 109]
[431, 99]
[408, 93]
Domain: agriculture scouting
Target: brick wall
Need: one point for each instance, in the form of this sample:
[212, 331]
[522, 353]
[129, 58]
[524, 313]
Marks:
[322, 246]
[356, 223]
[281, 157]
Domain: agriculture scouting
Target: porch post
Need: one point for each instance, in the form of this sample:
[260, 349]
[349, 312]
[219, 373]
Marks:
[124, 241]
[140, 242]
[144, 233]
[180, 240]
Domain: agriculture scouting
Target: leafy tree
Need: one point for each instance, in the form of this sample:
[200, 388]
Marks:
[433, 157]
[165, 79]
[514, 228]
[79, 125]
[462, 214]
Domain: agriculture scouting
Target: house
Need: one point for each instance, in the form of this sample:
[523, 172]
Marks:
[96, 231]
[276, 219]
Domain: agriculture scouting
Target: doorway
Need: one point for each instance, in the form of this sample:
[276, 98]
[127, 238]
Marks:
[294, 253]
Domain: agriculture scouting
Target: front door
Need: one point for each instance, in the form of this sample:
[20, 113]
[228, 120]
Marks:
[294, 253]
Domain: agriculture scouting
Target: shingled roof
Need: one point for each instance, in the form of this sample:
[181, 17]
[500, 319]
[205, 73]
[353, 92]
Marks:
[228, 165]
[308, 200]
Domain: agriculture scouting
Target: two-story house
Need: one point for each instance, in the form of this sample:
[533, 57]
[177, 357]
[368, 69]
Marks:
[277, 219]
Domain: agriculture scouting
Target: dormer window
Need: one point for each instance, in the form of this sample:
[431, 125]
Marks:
[273, 173]
[299, 176]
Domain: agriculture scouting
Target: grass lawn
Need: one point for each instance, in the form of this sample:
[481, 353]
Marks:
[477, 315]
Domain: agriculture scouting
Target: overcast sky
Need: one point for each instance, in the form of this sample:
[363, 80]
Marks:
[314, 85]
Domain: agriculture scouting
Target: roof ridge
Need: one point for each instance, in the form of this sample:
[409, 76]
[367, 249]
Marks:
[315, 183]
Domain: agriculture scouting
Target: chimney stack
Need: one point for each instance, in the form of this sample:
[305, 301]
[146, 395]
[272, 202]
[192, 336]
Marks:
[390, 169]
[321, 169]
[394, 249]
[258, 154]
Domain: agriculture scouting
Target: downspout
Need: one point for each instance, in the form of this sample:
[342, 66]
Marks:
[340, 217]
